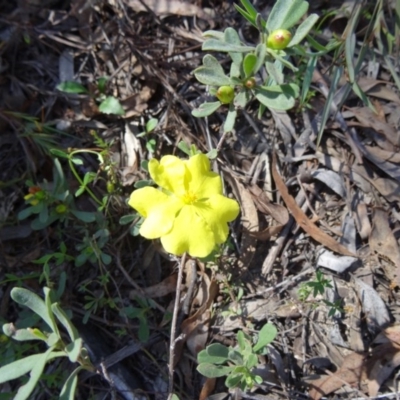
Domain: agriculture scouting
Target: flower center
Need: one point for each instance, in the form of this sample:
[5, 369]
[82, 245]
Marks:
[189, 198]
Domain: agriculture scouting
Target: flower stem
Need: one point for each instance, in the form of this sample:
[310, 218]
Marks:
[172, 341]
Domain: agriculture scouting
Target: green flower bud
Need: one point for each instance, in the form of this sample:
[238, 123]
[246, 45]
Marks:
[250, 83]
[225, 94]
[279, 39]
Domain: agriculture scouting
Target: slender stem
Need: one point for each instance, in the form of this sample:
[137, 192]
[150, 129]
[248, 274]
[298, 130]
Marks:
[78, 178]
[173, 329]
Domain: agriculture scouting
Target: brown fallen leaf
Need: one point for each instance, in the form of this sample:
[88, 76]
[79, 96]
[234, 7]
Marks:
[385, 358]
[368, 119]
[264, 205]
[168, 285]
[383, 241]
[249, 219]
[302, 219]
[350, 373]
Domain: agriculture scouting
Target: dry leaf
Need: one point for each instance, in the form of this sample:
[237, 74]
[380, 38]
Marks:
[383, 241]
[385, 358]
[368, 119]
[302, 219]
[163, 288]
[249, 219]
[349, 373]
[167, 7]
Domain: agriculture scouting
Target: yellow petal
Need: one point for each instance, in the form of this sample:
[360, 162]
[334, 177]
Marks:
[218, 210]
[190, 234]
[158, 209]
[169, 174]
[144, 199]
[200, 180]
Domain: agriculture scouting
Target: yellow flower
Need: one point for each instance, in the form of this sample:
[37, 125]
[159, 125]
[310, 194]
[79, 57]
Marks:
[188, 213]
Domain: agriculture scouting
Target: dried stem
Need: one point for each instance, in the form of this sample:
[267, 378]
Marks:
[173, 329]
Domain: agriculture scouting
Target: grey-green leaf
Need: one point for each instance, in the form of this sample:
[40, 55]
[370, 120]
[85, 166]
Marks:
[215, 353]
[303, 29]
[217, 45]
[31, 300]
[25, 391]
[279, 97]
[213, 371]
[230, 119]
[285, 14]
[206, 109]
[65, 321]
[211, 76]
[69, 387]
[74, 349]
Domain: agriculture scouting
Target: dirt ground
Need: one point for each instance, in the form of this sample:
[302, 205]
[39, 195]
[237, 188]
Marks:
[315, 250]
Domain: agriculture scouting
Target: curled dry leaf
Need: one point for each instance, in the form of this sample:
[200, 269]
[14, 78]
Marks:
[302, 219]
[383, 241]
[195, 328]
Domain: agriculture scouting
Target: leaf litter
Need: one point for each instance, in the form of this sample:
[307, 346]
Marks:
[342, 218]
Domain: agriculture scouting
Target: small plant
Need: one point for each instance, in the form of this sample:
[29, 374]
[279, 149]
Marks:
[140, 313]
[238, 363]
[255, 71]
[52, 314]
[52, 202]
[318, 286]
[107, 104]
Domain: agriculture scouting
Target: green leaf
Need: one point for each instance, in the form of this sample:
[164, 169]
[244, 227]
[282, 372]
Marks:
[206, 109]
[242, 98]
[266, 335]
[71, 87]
[21, 334]
[24, 391]
[143, 183]
[212, 154]
[230, 119]
[215, 353]
[213, 371]
[285, 14]
[275, 71]
[251, 361]
[27, 212]
[151, 124]
[21, 367]
[233, 380]
[303, 29]
[102, 84]
[31, 300]
[312, 62]
[211, 74]
[127, 219]
[232, 37]
[69, 387]
[84, 216]
[279, 97]
[261, 52]
[105, 258]
[65, 321]
[111, 105]
[74, 350]
[217, 45]
[249, 63]
[214, 34]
